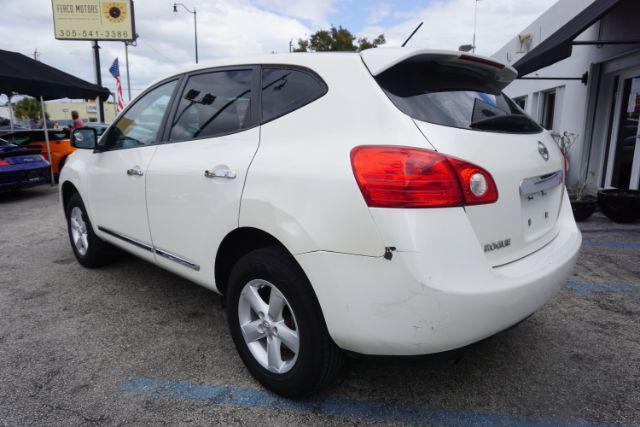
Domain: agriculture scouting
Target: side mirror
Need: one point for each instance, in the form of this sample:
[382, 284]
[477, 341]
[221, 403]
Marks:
[85, 138]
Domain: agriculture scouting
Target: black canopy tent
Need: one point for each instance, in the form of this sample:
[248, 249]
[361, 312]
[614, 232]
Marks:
[22, 75]
[558, 45]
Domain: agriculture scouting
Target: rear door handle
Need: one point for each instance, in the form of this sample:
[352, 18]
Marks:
[220, 172]
[135, 171]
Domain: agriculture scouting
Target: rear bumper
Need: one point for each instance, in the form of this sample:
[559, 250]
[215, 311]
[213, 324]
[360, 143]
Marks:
[415, 304]
[24, 177]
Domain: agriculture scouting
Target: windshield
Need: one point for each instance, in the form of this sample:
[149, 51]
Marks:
[453, 96]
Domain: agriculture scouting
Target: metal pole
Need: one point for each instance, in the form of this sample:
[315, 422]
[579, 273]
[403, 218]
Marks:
[46, 139]
[10, 113]
[195, 31]
[96, 65]
[126, 55]
[475, 21]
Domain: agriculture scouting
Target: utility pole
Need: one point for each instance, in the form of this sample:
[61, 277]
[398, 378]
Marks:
[290, 45]
[96, 65]
[36, 54]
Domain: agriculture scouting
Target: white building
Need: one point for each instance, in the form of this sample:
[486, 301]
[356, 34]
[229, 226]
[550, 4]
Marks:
[602, 39]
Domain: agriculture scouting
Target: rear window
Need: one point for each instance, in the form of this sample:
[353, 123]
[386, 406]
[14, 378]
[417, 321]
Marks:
[453, 96]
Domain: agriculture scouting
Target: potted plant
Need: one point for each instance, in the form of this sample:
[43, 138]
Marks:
[583, 204]
[621, 206]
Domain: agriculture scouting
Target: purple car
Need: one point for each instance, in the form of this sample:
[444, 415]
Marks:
[21, 167]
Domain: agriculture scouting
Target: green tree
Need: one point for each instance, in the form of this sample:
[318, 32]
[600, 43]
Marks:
[337, 39]
[27, 108]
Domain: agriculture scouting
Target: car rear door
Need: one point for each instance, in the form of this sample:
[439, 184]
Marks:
[117, 171]
[195, 180]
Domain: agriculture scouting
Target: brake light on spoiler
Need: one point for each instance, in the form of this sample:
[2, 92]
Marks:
[406, 177]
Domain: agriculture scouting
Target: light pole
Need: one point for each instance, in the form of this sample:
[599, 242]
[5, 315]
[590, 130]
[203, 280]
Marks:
[475, 23]
[195, 23]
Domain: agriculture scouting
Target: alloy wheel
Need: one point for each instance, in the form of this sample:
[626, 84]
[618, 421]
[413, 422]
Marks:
[79, 232]
[269, 326]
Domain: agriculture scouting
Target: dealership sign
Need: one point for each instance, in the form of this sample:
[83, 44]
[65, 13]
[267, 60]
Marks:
[93, 20]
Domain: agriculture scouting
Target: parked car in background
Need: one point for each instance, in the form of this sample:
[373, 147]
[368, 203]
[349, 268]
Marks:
[6, 128]
[58, 141]
[21, 167]
[388, 202]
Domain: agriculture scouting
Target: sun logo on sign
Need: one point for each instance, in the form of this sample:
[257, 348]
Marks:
[114, 11]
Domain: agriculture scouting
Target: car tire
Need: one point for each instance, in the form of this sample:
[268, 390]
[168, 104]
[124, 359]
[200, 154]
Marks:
[318, 359]
[89, 249]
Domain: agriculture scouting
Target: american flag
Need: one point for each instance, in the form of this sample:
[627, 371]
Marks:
[115, 72]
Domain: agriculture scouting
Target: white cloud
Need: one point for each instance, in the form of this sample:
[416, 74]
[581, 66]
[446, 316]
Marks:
[225, 28]
[378, 12]
[449, 24]
[241, 27]
[314, 11]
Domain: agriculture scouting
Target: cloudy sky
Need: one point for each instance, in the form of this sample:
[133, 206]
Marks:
[232, 28]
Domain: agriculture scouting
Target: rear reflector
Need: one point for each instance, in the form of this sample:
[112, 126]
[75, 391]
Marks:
[405, 177]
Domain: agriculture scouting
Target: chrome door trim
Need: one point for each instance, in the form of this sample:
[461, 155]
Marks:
[540, 183]
[142, 245]
[135, 242]
[176, 258]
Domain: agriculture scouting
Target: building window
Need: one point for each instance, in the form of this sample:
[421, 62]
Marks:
[548, 109]
[521, 101]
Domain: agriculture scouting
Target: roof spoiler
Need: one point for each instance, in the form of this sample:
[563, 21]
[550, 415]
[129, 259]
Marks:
[381, 59]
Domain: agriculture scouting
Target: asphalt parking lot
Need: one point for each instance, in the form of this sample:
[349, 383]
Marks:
[133, 344]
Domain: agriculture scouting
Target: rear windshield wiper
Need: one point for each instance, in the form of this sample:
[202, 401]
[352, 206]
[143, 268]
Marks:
[505, 119]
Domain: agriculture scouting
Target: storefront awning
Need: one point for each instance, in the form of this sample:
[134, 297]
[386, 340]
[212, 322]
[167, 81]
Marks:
[558, 45]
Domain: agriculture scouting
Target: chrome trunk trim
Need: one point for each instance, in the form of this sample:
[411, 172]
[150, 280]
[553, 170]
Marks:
[540, 183]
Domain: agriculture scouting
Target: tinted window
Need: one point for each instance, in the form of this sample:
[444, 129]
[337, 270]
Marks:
[212, 104]
[284, 90]
[140, 124]
[453, 96]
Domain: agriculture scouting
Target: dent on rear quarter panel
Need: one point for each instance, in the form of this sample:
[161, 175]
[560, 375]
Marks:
[300, 187]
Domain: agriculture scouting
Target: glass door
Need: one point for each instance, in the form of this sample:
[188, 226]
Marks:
[623, 169]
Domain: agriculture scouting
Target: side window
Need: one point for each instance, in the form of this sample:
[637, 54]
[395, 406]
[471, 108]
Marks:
[139, 126]
[285, 90]
[213, 104]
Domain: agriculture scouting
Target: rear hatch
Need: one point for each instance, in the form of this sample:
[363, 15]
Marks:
[456, 101]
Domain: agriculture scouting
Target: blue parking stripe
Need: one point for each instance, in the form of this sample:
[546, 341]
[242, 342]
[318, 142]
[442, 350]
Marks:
[585, 289]
[621, 245]
[334, 406]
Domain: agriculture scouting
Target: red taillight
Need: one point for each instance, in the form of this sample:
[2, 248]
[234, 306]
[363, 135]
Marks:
[405, 177]
[4, 163]
[477, 184]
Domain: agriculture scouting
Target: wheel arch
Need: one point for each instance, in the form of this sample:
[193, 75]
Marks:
[68, 190]
[235, 245]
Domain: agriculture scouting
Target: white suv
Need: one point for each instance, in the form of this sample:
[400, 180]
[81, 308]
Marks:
[391, 202]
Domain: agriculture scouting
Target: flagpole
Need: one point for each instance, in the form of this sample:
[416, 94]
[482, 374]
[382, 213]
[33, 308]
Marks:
[126, 54]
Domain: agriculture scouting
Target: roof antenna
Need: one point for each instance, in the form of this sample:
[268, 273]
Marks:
[414, 31]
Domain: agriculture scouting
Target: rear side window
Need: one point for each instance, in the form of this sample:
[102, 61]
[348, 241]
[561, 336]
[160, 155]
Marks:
[285, 90]
[213, 104]
[453, 96]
